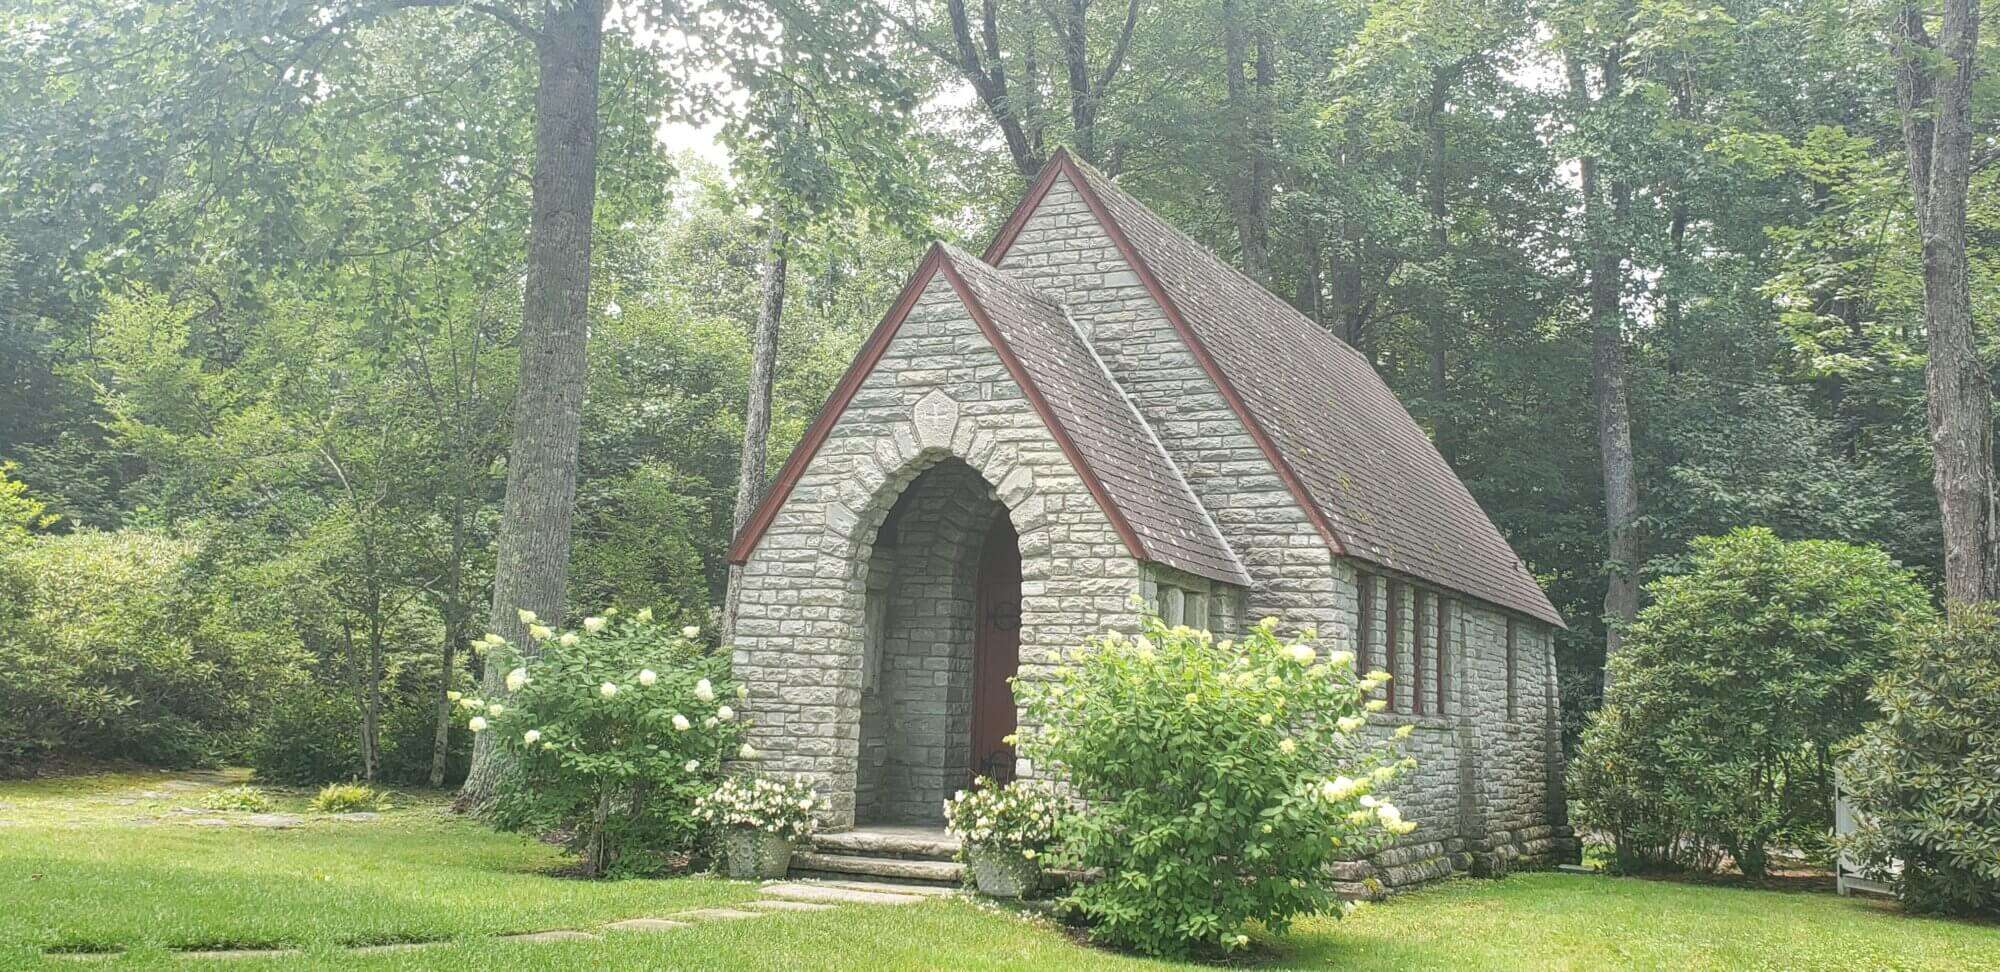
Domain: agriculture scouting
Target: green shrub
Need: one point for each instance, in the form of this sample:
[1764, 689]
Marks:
[348, 798]
[616, 730]
[1218, 779]
[1729, 694]
[1926, 778]
[110, 647]
[307, 737]
[246, 798]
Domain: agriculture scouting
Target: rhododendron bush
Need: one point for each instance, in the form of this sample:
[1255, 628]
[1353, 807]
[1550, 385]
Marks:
[1218, 776]
[616, 729]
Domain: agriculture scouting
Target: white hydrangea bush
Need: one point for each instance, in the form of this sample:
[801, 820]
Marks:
[1217, 779]
[615, 729]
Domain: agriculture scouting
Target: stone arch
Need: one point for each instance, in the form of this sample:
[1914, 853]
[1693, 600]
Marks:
[851, 525]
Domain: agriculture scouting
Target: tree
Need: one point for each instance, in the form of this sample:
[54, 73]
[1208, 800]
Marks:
[1737, 682]
[1934, 79]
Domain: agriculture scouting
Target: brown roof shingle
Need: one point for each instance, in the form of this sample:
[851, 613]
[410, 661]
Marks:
[1114, 443]
[1375, 480]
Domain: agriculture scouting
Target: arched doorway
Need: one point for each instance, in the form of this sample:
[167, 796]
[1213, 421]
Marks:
[941, 638]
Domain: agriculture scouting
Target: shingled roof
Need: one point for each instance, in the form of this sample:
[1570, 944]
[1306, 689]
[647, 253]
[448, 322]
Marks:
[1098, 428]
[1375, 485]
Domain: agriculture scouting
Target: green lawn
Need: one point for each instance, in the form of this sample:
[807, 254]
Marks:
[97, 863]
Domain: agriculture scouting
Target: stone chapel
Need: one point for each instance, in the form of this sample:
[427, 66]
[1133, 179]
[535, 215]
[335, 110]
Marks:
[1099, 407]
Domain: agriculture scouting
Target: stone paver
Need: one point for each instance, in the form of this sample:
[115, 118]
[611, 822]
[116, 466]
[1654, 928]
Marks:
[888, 887]
[779, 904]
[717, 914]
[830, 894]
[645, 925]
[238, 953]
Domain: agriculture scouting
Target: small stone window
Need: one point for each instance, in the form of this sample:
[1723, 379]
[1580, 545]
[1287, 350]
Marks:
[1513, 664]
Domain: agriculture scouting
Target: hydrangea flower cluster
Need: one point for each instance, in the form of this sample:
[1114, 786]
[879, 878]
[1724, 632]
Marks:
[788, 808]
[1020, 816]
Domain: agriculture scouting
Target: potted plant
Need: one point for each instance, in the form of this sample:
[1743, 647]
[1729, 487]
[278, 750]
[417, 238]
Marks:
[761, 819]
[1004, 831]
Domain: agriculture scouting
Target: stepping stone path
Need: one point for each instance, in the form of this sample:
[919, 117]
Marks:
[795, 896]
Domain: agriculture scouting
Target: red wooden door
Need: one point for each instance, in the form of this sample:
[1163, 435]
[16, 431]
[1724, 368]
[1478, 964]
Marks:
[996, 650]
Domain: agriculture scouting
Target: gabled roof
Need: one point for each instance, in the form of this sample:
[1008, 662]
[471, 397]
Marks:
[1375, 486]
[1098, 429]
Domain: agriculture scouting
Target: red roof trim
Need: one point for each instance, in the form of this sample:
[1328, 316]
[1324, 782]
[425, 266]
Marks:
[1029, 203]
[864, 363]
[1063, 162]
[836, 404]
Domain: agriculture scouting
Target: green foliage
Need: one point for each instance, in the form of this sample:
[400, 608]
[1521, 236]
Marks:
[111, 647]
[245, 798]
[1926, 777]
[1729, 695]
[615, 729]
[1217, 777]
[348, 798]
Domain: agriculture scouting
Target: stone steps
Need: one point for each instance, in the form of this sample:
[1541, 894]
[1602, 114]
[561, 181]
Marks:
[908, 856]
[886, 868]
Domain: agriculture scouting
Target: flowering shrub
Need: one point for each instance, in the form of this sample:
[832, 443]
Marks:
[787, 808]
[1927, 777]
[1218, 779]
[616, 729]
[1020, 816]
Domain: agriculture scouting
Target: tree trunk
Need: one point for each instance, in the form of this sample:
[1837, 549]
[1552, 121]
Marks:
[1249, 103]
[1439, 311]
[532, 563]
[1936, 110]
[1605, 216]
[454, 631]
[750, 484]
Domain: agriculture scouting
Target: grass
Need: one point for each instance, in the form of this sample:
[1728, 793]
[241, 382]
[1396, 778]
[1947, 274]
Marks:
[110, 862]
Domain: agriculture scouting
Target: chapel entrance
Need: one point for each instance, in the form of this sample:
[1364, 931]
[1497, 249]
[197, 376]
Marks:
[941, 638]
[996, 651]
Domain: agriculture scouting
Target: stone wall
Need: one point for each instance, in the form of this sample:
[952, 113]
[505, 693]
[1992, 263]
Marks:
[801, 624]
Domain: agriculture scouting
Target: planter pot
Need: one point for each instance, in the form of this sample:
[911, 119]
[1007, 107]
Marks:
[1001, 873]
[751, 854]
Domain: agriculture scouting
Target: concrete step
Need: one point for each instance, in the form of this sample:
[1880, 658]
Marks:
[890, 868]
[910, 843]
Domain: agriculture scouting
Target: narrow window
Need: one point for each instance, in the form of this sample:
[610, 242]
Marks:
[1443, 654]
[1420, 622]
[1513, 694]
[1173, 605]
[1364, 642]
[1196, 611]
[1393, 637]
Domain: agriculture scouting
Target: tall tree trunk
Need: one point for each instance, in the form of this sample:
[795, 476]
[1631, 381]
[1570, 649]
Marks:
[532, 564]
[1439, 311]
[455, 617]
[1934, 92]
[750, 484]
[1249, 101]
[1605, 215]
